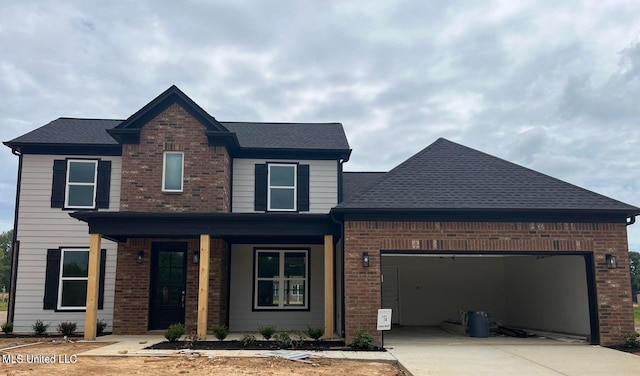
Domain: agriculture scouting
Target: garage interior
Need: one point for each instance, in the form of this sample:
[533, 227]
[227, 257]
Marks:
[540, 292]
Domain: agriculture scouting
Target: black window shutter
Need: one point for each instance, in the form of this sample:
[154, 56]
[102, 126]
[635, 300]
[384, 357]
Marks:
[104, 184]
[303, 188]
[260, 189]
[103, 264]
[59, 183]
[51, 278]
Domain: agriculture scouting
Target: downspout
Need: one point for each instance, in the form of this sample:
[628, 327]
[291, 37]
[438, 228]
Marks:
[342, 259]
[14, 248]
[631, 220]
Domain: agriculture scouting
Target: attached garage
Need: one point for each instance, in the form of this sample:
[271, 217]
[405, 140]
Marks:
[534, 290]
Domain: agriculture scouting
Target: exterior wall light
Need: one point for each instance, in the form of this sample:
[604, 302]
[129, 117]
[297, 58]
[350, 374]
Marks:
[140, 257]
[612, 263]
[196, 258]
[365, 259]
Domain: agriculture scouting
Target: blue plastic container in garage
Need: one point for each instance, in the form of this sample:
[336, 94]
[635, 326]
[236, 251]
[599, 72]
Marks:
[478, 324]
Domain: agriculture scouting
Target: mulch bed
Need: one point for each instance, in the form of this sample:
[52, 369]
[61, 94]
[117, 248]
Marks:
[632, 350]
[258, 345]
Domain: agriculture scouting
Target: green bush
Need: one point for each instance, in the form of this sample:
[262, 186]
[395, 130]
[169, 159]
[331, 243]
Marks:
[282, 340]
[632, 339]
[267, 331]
[248, 340]
[174, 332]
[220, 332]
[101, 325]
[67, 328]
[315, 333]
[362, 340]
[7, 327]
[39, 327]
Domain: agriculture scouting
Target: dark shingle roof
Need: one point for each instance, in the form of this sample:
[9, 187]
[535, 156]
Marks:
[71, 131]
[353, 183]
[448, 176]
[323, 136]
[329, 136]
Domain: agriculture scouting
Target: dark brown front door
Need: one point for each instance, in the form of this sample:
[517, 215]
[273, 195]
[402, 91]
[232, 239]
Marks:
[168, 283]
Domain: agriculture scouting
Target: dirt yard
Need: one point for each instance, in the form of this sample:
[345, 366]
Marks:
[44, 357]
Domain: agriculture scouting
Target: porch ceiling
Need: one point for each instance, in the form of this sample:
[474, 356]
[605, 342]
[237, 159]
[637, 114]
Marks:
[254, 227]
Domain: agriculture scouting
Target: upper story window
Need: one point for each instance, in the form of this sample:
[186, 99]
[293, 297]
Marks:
[81, 184]
[282, 187]
[172, 171]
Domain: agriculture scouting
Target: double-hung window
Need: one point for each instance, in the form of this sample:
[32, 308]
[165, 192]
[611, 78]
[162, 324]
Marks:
[82, 176]
[172, 171]
[281, 192]
[74, 269]
[281, 279]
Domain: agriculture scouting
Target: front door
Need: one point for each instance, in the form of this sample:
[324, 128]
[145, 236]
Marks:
[168, 282]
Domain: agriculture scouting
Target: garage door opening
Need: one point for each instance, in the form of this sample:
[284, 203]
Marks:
[541, 292]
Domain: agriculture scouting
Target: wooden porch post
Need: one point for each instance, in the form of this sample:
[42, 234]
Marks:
[91, 314]
[328, 286]
[203, 283]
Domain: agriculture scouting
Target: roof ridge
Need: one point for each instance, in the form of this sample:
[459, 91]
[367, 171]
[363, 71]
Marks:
[276, 122]
[389, 174]
[83, 118]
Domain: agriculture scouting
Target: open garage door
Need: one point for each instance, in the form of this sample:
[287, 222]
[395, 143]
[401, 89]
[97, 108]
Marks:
[536, 291]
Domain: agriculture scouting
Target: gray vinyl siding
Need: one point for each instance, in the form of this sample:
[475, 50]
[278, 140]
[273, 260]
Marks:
[41, 228]
[241, 316]
[323, 183]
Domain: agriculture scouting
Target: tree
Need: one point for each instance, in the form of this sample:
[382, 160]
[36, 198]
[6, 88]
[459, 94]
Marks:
[634, 267]
[6, 250]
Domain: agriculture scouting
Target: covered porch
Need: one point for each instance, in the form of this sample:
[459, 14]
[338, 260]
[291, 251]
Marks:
[209, 242]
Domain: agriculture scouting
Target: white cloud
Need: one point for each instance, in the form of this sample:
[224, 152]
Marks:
[550, 85]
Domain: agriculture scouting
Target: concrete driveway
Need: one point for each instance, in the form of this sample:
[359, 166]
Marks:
[445, 354]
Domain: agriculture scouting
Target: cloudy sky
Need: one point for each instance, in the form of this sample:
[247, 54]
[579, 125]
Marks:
[551, 85]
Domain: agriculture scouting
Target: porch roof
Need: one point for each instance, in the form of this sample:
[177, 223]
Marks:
[233, 227]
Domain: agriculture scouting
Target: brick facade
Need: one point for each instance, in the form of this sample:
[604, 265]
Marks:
[362, 285]
[132, 289]
[207, 169]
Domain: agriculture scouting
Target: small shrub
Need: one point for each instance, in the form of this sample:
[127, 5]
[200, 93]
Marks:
[362, 340]
[67, 328]
[101, 325]
[7, 327]
[282, 339]
[39, 327]
[248, 340]
[220, 332]
[298, 338]
[174, 332]
[315, 333]
[193, 338]
[632, 339]
[267, 331]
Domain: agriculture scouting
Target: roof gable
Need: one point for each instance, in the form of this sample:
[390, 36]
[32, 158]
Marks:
[448, 176]
[129, 130]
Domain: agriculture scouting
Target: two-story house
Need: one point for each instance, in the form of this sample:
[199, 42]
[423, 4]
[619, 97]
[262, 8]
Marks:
[173, 216]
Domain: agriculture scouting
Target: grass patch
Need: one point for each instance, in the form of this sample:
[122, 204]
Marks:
[3, 306]
[636, 315]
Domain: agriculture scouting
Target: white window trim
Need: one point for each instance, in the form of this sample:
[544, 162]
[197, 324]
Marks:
[68, 183]
[294, 188]
[61, 279]
[281, 279]
[164, 171]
